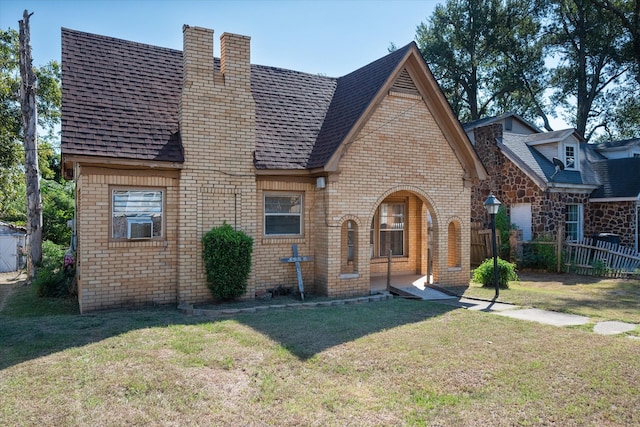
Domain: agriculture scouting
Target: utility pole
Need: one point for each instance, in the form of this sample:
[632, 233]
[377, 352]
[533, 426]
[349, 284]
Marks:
[32, 174]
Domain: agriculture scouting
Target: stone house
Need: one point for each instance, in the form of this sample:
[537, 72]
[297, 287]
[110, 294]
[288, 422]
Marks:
[164, 145]
[555, 180]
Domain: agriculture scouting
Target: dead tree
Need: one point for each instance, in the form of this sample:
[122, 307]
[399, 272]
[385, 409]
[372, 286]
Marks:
[32, 174]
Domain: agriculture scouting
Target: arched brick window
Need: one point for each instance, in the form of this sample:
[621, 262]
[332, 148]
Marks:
[454, 255]
[349, 247]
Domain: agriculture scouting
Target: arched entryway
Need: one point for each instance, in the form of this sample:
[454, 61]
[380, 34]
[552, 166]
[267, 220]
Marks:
[402, 223]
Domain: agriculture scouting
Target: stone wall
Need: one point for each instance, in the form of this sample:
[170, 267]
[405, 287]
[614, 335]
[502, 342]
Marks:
[612, 217]
[512, 186]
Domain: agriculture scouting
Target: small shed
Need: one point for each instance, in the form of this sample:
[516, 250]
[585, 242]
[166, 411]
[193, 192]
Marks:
[12, 241]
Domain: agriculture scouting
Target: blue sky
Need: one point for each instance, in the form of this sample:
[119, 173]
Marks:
[329, 37]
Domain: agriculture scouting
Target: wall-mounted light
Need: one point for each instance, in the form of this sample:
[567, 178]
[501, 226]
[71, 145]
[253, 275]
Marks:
[321, 182]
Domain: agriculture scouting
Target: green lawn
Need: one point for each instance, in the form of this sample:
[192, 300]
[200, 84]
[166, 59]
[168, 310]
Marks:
[396, 362]
[599, 299]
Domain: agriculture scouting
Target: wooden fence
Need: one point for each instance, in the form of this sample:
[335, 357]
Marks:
[480, 244]
[599, 258]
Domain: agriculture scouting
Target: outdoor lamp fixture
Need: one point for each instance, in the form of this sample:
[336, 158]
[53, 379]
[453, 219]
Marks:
[492, 205]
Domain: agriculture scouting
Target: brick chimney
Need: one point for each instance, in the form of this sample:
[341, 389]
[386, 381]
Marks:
[217, 128]
[235, 56]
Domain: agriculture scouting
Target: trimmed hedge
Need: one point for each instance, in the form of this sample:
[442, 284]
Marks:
[227, 257]
[484, 273]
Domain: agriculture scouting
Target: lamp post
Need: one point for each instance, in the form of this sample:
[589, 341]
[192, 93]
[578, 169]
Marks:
[492, 205]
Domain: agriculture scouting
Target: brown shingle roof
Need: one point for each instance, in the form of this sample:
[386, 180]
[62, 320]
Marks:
[353, 95]
[121, 98]
[290, 110]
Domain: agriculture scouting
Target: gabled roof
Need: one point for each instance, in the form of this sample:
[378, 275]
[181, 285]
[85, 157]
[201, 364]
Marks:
[121, 100]
[290, 111]
[354, 93]
[553, 136]
[620, 178]
[518, 149]
[7, 228]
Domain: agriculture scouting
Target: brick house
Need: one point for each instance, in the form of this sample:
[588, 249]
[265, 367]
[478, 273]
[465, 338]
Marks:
[164, 145]
[549, 180]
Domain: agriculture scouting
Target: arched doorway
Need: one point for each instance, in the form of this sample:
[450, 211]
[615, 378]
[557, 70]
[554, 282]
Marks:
[402, 224]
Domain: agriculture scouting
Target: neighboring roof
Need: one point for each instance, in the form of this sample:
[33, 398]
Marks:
[517, 147]
[617, 145]
[7, 228]
[496, 119]
[620, 178]
[121, 100]
[553, 136]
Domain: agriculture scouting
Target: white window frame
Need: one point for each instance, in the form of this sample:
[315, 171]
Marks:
[146, 205]
[574, 234]
[576, 160]
[298, 214]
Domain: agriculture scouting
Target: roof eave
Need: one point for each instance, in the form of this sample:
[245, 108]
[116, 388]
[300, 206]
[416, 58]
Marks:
[615, 199]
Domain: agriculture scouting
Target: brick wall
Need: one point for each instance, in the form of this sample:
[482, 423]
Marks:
[114, 273]
[269, 271]
[407, 158]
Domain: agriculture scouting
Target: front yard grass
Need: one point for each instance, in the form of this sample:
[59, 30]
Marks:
[399, 362]
[596, 298]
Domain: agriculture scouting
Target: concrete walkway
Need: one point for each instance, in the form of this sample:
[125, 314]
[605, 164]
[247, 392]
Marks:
[416, 287]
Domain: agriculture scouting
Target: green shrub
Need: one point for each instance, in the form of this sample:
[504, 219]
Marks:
[227, 258]
[484, 273]
[599, 268]
[54, 278]
[57, 209]
[540, 256]
[503, 226]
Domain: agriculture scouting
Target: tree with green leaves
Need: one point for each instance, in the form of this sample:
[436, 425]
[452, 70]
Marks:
[57, 209]
[49, 100]
[487, 57]
[591, 69]
[622, 121]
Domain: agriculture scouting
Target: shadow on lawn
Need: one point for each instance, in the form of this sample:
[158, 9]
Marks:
[303, 332]
[306, 332]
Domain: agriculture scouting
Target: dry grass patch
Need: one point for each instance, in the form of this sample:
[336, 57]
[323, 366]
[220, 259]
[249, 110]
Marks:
[395, 362]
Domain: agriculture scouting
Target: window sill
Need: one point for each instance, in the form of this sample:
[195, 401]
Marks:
[394, 259]
[150, 243]
[284, 239]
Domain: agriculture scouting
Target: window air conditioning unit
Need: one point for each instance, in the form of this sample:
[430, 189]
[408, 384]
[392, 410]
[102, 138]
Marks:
[139, 228]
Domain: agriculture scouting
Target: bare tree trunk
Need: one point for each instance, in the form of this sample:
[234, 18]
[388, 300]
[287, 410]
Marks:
[32, 174]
